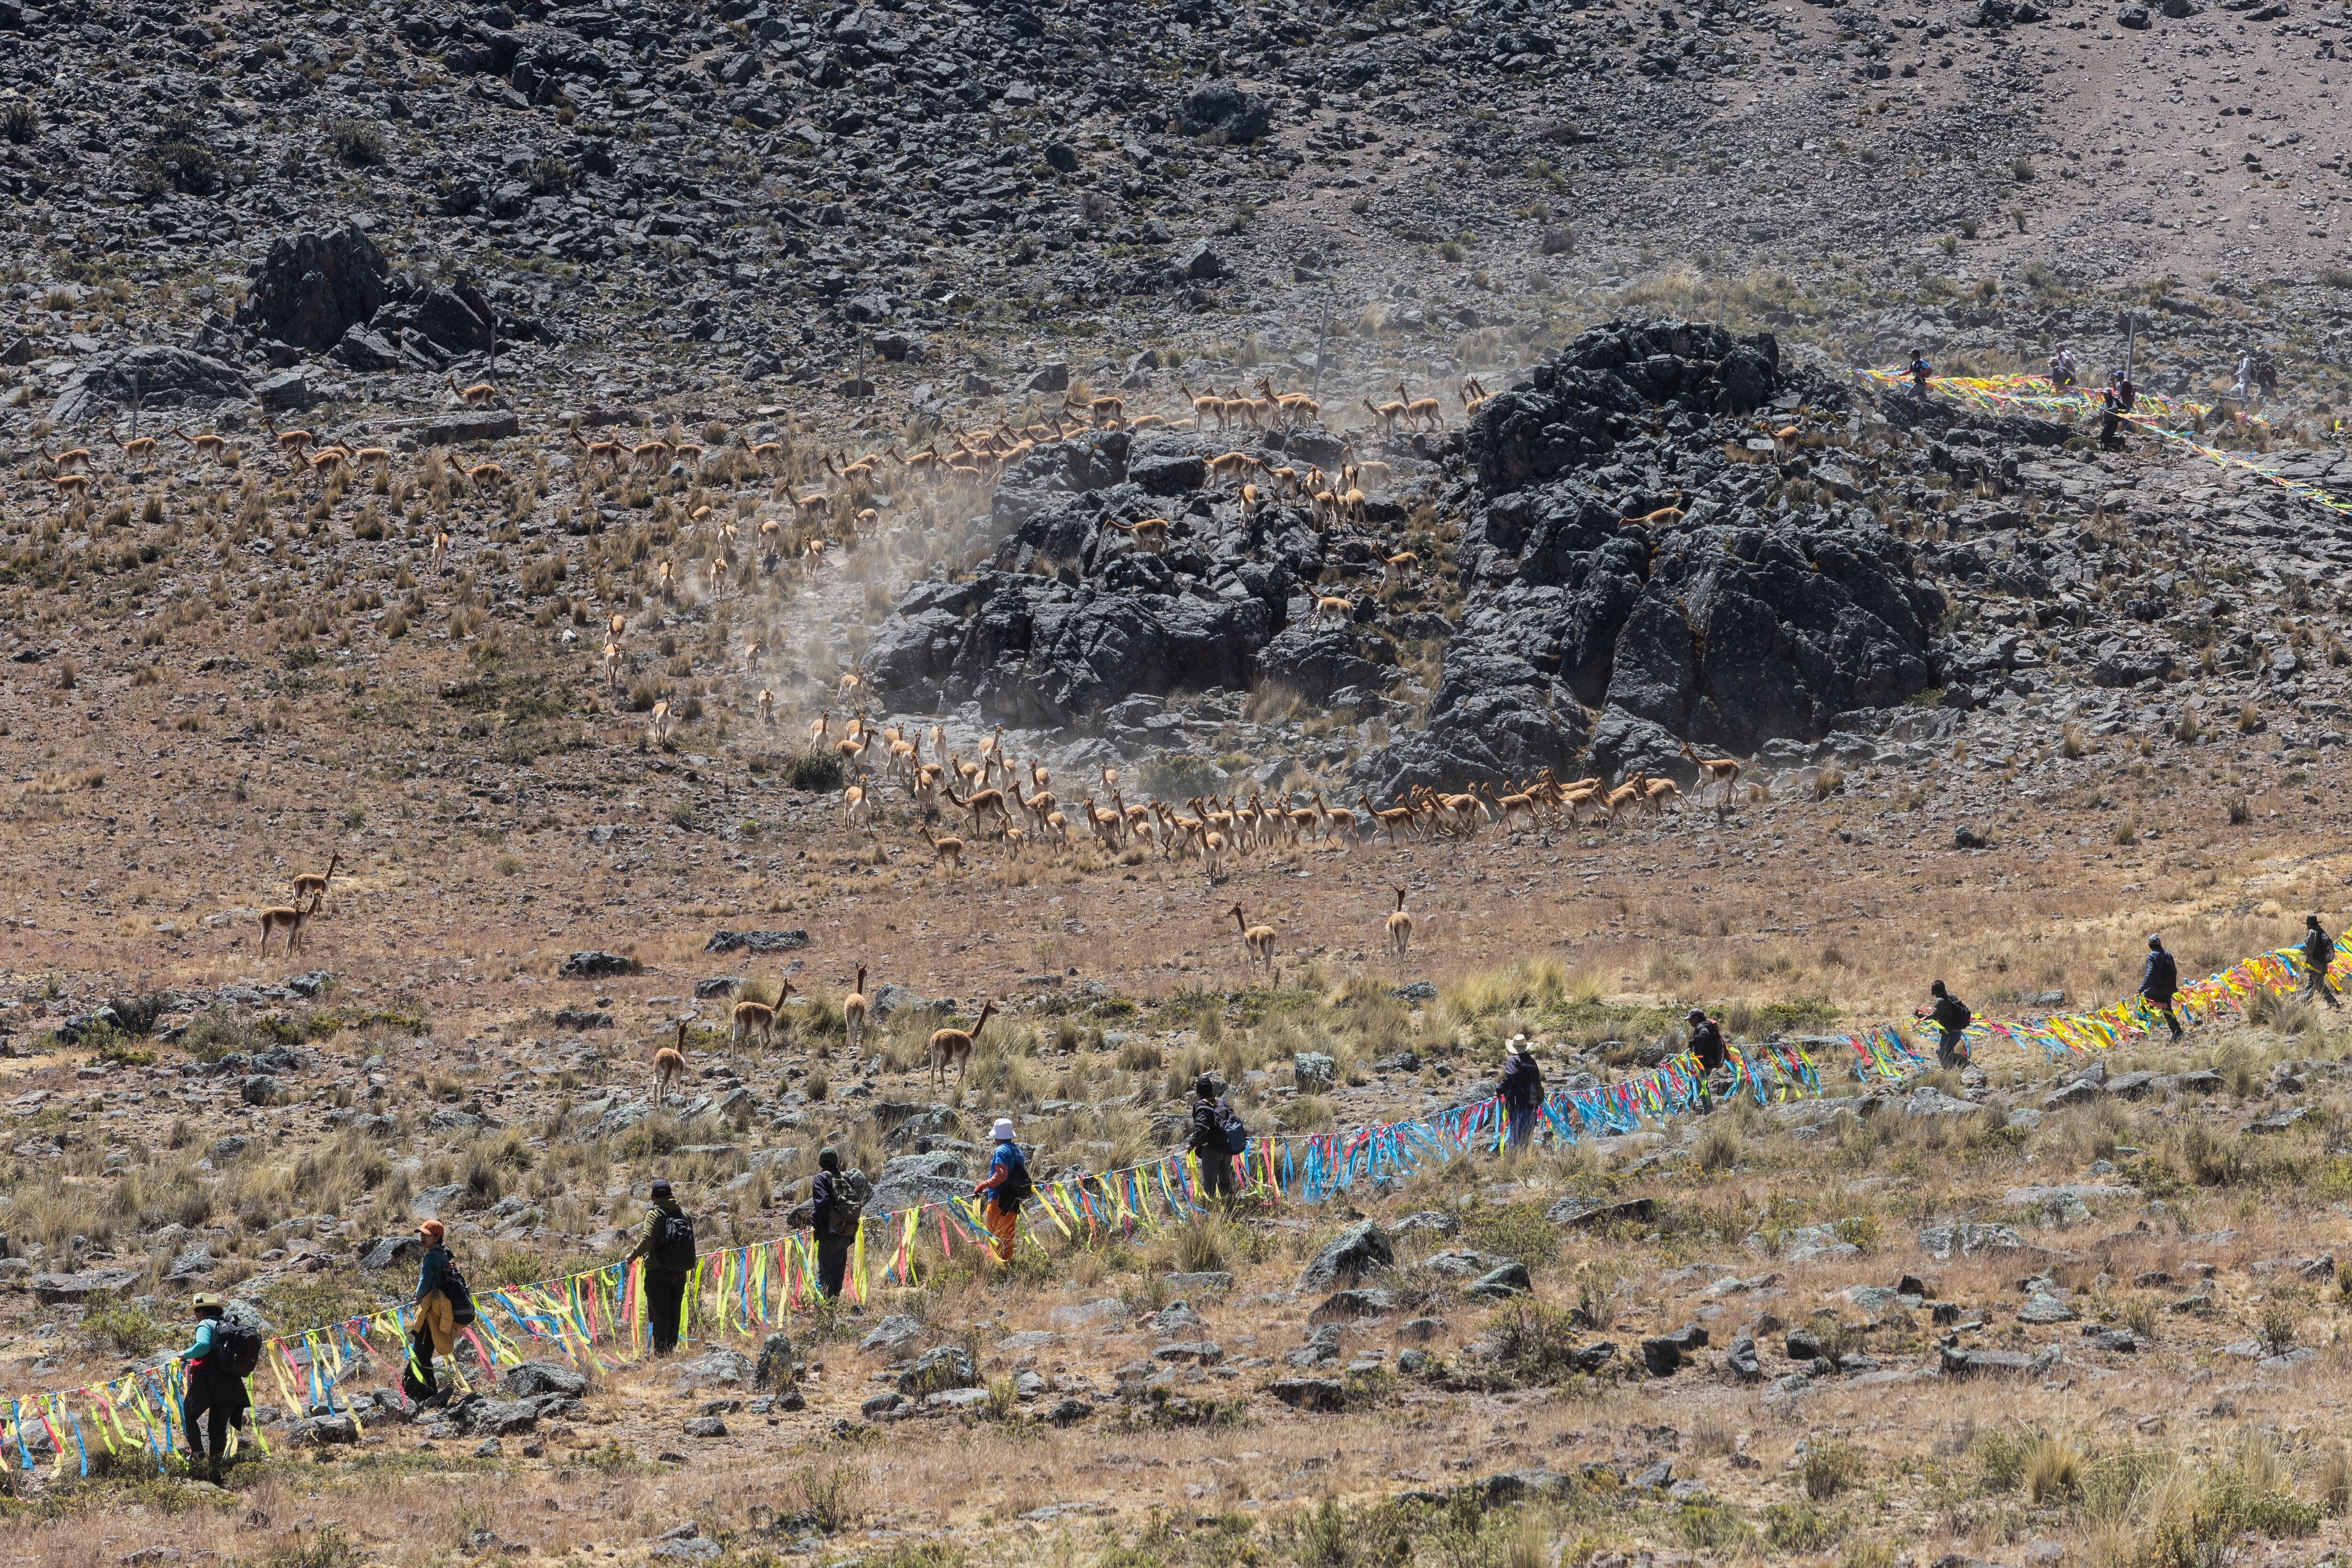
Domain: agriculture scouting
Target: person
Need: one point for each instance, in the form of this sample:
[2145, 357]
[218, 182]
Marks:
[1207, 1140]
[1238, 1139]
[1918, 370]
[2265, 375]
[1521, 1090]
[832, 1214]
[2114, 402]
[1707, 1045]
[2062, 368]
[2242, 390]
[435, 1332]
[2159, 980]
[667, 1243]
[1951, 1017]
[214, 1388]
[1007, 1188]
[2318, 951]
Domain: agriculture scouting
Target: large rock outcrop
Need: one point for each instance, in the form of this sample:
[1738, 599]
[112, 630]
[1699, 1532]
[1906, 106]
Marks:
[1071, 614]
[153, 376]
[310, 289]
[1620, 565]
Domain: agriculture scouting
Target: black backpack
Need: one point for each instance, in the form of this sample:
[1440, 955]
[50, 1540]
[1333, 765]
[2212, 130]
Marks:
[1962, 1016]
[235, 1351]
[461, 1299]
[674, 1245]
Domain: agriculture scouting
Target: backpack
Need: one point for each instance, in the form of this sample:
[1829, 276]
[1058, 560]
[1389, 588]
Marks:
[1018, 1188]
[235, 1351]
[461, 1299]
[674, 1245]
[851, 1192]
[1963, 1017]
[1236, 1133]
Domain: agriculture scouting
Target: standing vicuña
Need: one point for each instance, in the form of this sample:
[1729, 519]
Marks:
[290, 919]
[1399, 926]
[669, 1065]
[955, 1046]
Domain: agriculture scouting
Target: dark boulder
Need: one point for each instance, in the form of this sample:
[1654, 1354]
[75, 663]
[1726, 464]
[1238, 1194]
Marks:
[312, 288]
[1315, 663]
[1360, 1251]
[1221, 107]
[151, 377]
[1495, 715]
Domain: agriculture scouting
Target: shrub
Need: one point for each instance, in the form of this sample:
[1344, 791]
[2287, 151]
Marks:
[1177, 775]
[126, 1330]
[19, 122]
[1535, 1342]
[1830, 1468]
[821, 773]
[355, 143]
[2053, 1470]
[1798, 1527]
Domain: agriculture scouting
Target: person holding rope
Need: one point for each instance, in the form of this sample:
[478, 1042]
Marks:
[2318, 951]
[667, 1243]
[2061, 369]
[1207, 1140]
[2114, 402]
[1706, 1044]
[2160, 981]
[1951, 1017]
[1008, 1186]
[1918, 370]
[1521, 1091]
[215, 1368]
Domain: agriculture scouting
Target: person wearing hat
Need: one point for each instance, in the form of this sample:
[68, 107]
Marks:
[435, 1332]
[1707, 1046]
[211, 1388]
[1008, 1186]
[1918, 370]
[835, 1230]
[1521, 1090]
[2160, 981]
[1951, 1017]
[2318, 951]
[667, 1245]
[1207, 1140]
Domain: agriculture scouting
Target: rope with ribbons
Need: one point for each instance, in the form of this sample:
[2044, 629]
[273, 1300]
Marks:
[597, 1319]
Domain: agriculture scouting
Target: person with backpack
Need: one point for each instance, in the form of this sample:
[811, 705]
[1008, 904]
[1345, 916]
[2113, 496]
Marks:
[434, 1331]
[1207, 1141]
[1707, 1048]
[1007, 1187]
[1521, 1091]
[1237, 1137]
[214, 1367]
[2318, 952]
[836, 1205]
[2160, 981]
[667, 1245]
[1951, 1017]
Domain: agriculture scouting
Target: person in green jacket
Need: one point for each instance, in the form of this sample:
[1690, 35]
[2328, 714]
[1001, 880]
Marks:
[210, 1391]
[667, 1243]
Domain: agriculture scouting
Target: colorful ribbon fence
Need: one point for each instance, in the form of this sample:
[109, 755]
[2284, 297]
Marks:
[2173, 420]
[597, 1317]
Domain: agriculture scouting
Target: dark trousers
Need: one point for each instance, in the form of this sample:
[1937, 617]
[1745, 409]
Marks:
[416, 1379]
[1216, 1174]
[214, 1396]
[1523, 1125]
[2314, 982]
[832, 1262]
[2164, 1004]
[1952, 1050]
[2108, 425]
[665, 1292]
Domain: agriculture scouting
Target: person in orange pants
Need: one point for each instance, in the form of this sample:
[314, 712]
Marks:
[1008, 1186]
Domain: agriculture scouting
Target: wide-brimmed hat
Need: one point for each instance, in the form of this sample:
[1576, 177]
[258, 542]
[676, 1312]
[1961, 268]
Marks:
[206, 1301]
[1002, 1131]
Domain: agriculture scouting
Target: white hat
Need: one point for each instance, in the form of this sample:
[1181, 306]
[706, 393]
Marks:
[1003, 1131]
